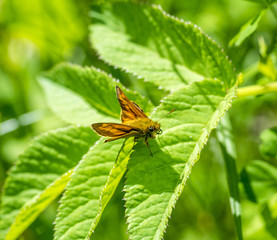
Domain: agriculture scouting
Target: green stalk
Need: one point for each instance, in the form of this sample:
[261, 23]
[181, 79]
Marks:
[229, 154]
[257, 89]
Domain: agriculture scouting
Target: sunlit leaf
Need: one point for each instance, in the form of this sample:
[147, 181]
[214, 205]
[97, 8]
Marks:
[81, 206]
[115, 176]
[177, 56]
[35, 206]
[160, 48]
[84, 95]
[154, 183]
[48, 157]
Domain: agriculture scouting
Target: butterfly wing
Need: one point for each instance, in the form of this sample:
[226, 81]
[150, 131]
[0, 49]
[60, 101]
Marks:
[115, 130]
[129, 110]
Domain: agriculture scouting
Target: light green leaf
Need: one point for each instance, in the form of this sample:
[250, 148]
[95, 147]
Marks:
[247, 29]
[260, 179]
[154, 183]
[81, 206]
[158, 47]
[268, 147]
[84, 95]
[49, 157]
[30, 211]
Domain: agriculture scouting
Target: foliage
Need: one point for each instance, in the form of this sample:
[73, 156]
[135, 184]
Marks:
[161, 62]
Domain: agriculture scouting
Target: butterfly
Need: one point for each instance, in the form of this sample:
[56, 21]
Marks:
[135, 123]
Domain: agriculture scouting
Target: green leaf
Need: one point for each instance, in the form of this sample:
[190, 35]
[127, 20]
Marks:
[269, 142]
[247, 29]
[30, 211]
[158, 47]
[81, 206]
[116, 174]
[261, 178]
[82, 95]
[42, 164]
[154, 183]
[154, 92]
[228, 148]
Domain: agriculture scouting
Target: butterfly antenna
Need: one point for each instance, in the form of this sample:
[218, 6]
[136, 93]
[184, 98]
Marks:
[167, 114]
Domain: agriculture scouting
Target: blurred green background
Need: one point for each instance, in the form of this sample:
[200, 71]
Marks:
[36, 35]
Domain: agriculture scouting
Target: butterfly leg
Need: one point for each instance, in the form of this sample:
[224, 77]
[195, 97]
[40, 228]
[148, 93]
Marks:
[146, 141]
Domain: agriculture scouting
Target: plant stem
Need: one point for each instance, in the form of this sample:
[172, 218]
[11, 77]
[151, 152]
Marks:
[229, 154]
[257, 89]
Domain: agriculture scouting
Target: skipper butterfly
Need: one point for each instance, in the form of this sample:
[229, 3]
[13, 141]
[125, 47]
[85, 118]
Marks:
[135, 123]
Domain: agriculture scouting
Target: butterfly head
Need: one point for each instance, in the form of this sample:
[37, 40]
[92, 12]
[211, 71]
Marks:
[154, 129]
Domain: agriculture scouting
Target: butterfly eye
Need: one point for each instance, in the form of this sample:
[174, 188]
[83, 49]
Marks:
[151, 129]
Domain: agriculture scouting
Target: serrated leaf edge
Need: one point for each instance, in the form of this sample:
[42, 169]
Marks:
[36, 138]
[101, 206]
[194, 157]
[73, 172]
[167, 15]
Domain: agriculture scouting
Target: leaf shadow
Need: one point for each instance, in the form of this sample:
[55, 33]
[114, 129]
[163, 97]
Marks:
[154, 174]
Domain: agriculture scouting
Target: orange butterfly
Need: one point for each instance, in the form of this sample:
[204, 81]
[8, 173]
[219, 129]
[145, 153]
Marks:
[135, 123]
